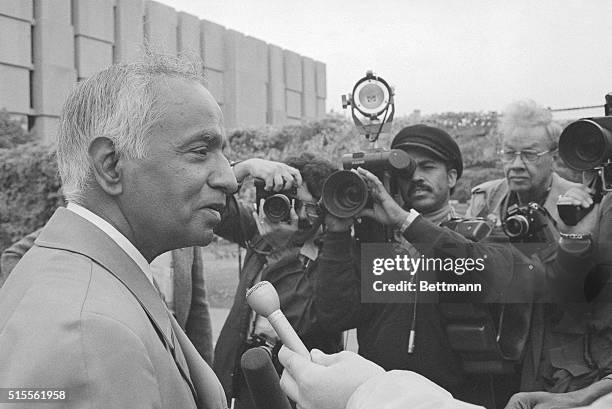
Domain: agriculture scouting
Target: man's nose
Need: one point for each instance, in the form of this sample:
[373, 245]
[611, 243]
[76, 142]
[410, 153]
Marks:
[417, 176]
[517, 162]
[222, 177]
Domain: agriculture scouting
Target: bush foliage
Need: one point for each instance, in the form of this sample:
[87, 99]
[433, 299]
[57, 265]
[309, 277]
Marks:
[30, 185]
[29, 190]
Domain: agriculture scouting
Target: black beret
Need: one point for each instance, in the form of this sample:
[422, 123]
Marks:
[434, 140]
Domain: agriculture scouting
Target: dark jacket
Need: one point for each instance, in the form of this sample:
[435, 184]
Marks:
[571, 341]
[383, 328]
[293, 281]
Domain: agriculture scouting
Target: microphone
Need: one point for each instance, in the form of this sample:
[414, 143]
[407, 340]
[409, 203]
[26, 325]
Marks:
[263, 299]
[262, 380]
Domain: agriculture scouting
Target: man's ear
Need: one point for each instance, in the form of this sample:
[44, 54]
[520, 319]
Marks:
[452, 178]
[106, 169]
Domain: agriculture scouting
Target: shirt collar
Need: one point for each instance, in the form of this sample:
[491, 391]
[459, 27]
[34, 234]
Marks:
[115, 235]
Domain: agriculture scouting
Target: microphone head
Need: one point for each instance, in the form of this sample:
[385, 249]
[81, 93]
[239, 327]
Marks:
[263, 298]
[262, 380]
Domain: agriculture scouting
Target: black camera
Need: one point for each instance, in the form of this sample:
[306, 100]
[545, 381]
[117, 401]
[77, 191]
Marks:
[474, 229]
[277, 205]
[587, 145]
[345, 193]
[527, 223]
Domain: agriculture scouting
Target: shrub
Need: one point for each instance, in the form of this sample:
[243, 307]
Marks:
[12, 131]
[29, 190]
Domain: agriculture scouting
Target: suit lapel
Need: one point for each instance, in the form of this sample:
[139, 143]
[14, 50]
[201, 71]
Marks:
[208, 390]
[182, 260]
[88, 240]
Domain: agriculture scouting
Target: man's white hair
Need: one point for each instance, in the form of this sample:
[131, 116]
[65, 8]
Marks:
[119, 103]
[528, 114]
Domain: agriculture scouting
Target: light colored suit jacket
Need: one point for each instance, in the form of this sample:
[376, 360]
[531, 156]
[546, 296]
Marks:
[78, 314]
[190, 305]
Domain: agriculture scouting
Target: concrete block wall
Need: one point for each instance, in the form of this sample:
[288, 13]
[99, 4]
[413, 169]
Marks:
[129, 32]
[94, 36]
[15, 55]
[54, 63]
[212, 40]
[245, 78]
[47, 46]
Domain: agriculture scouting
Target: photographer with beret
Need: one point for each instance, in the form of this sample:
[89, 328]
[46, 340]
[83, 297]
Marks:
[412, 335]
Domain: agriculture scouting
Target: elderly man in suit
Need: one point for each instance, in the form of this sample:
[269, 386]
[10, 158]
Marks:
[141, 162]
[180, 278]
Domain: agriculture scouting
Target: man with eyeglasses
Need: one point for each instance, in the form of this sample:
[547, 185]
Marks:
[284, 253]
[529, 147]
[557, 359]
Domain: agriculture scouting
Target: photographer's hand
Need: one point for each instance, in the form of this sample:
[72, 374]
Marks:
[385, 210]
[277, 175]
[580, 196]
[278, 235]
[577, 196]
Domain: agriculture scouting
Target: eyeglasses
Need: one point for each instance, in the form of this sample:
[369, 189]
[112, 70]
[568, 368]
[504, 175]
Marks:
[526, 155]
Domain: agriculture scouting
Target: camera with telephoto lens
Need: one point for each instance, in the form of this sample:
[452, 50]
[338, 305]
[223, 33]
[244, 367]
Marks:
[586, 145]
[277, 205]
[345, 193]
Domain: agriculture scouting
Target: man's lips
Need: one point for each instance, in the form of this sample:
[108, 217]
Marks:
[215, 209]
[420, 190]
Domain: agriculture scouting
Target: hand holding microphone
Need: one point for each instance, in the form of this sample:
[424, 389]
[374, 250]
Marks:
[263, 299]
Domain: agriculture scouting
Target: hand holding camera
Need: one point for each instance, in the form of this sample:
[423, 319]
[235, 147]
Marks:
[580, 201]
[385, 209]
[275, 176]
[577, 196]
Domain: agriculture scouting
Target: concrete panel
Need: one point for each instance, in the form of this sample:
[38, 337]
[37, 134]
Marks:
[58, 11]
[94, 19]
[92, 56]
[321, 109]
[212, 45]
[321, 79]
[251, 109]
[276, 86]
[254, 58]
[188, 34]
[17, 8]
[309, 98]
[45, 129]
[53, 33]
[293, 70]
[128, 30]
[160, 26]
[53, 44]
[246, 74]
[294, 104]
[15, 89]
[215, 84]
[51, 85]
[15, 41]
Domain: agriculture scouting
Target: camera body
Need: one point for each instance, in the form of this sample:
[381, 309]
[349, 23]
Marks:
[345, 193]
[474, 229]
[277, 205]
[532, 229]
